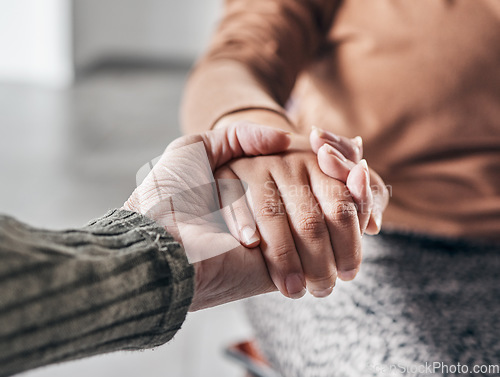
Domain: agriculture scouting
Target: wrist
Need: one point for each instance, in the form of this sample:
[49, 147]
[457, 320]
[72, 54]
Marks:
[269, 118]
[197, 302]
[209, 287]
[131, 204]
[143, 202]
[266, 117]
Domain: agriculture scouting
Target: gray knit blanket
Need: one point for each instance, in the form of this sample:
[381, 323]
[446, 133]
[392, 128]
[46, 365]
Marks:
[419, 307]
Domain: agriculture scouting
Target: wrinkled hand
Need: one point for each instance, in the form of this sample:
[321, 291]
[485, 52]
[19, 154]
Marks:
[180, 194]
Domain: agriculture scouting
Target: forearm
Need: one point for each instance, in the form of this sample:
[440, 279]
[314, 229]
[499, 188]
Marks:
[254, 58]
[220, 92]
[119, 283]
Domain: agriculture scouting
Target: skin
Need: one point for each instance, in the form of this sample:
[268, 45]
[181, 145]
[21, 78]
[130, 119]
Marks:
[240, 272]
[295, 227]
[235, 274]
[311, 245]
[329, 166]
[370, 193]
[309, 225]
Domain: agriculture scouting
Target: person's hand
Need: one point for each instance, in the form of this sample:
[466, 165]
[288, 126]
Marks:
[351, 149]
[180, 194]
[310, 224]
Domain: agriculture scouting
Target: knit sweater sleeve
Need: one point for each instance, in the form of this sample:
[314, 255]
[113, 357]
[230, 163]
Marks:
[119, 283]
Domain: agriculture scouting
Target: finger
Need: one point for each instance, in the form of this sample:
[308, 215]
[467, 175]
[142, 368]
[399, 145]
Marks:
[234, 208]
[336, 166]
[358, 183]
[333, 163]
[311, 236]
[342, 221]
[353, 175]
[276, 243]
[352, 149]
[381, 196]
[237, 140]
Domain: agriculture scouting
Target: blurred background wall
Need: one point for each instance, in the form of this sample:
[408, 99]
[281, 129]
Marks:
[89, 92]
[48, 41]
[151, 30]
[35, 41]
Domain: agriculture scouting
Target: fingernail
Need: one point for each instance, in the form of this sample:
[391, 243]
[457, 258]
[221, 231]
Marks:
[284, 131]
[249, 236]
[295, 286]
[358, 145]
[325, 134]
[358, 141]
[378, 222]
[366, 171]
[361, 179]
[363, 164]
[320, 293]
[334, 151]
[347, 275]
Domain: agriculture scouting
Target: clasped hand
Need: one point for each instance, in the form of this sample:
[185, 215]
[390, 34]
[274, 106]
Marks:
[295, 222]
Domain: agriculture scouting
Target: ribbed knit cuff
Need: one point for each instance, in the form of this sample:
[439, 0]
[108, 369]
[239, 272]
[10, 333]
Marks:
[173, 261]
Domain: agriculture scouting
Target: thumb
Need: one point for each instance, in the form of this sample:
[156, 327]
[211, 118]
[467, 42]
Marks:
[238, 140]
[243, 139]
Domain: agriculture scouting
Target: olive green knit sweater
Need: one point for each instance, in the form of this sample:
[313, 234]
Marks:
[119, 283]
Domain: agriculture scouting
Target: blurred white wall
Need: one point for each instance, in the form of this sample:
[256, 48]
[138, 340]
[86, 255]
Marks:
[159, 30]
[41, 41]
[35, 41]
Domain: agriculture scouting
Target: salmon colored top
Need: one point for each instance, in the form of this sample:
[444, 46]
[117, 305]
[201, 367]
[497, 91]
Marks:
[418, 80]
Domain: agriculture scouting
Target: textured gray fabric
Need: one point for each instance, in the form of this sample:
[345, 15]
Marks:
[416, 300]
[119, 283]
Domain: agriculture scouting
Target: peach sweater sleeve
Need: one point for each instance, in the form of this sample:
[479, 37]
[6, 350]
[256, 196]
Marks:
[254, 58]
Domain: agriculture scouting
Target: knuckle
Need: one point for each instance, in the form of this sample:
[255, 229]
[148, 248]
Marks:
[350, 261]
[312, 225]
[343, 212]
[270, 209]
[281, 253]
